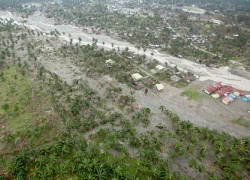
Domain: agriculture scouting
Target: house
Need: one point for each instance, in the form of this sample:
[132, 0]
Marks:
[215, 96]
[215, 21]
[187, 76]
[153, 71]
[154, 46]
[238, 93]
[224, 90]
[228, 99]
[211, 89]
[109, 62]
[159, 68]
[136, 77]
[175, 78]
[138, 85]
[246, 98]
[159, 87]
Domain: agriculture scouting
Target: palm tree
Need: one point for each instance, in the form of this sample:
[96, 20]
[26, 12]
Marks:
[118, 171]
[43, 175]
[175, 118]
[206, 132]
[162, 108]
[203, 150]
[52, 157]
[146, 111]
[193, 163]
[213, 177]
[39, 161]
[231, 167]
[101, 174]
[80, 40]
[178, 146]
[49, 169]
[65, 149]
[86, 164]
[89, 177]
[61, 171]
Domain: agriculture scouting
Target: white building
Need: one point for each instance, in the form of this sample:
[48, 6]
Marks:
[159, 68]
[215, 21]
[159, 87]
[110, 61]
[136, 77]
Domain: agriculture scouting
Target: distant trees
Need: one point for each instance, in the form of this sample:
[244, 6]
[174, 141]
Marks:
[244, 18]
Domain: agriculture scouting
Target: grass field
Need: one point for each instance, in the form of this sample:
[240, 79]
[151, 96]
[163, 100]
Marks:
[207, 26]
[24, 117]
[243, 122]
[15, 99]
[192, 94]
[193, 9]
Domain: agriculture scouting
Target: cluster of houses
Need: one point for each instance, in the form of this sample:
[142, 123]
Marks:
[137, 84]
[177, 76]
[92, 30]
[140, 82]
[137, 79]
[215, 21]
[227, 93]
[197, 39]
[188, 76]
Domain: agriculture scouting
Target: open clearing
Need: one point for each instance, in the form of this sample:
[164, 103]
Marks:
[15, 103]
[192, 9]
[23, 111]
[192, 94]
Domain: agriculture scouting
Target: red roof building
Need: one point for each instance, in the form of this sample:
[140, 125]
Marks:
[224, 90]
[213, 88]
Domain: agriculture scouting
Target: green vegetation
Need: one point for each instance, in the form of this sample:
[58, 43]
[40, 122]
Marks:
[242, 121]
[194, 9]
[192, 94]
[143, 30]
[23, 118]
[15, 99]
[166, 76]
[105, 155]
[207, 26]
[18, 3]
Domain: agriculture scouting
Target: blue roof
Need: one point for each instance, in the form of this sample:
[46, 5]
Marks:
[245, 99]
